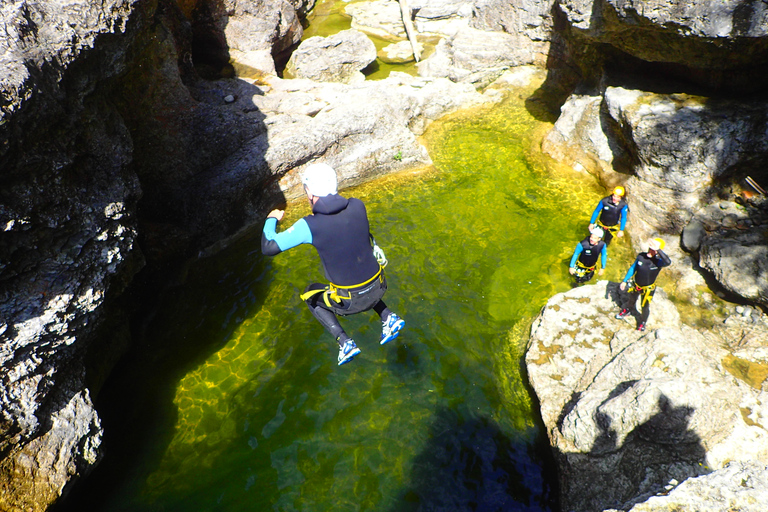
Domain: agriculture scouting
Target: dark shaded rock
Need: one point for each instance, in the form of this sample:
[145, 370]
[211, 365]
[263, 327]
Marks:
[692, 236]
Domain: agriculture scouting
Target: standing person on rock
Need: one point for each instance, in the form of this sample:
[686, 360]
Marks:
[584, 259]
[641, 281]
[338, 228]
[611, 215]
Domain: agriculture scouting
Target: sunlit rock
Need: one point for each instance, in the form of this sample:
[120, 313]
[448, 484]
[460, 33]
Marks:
[475, 56]
[629, 412]
[336, 58]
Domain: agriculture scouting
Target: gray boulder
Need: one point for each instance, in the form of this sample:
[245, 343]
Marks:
[739, 261]
[336, 58]
[476, 57]
[627, 412]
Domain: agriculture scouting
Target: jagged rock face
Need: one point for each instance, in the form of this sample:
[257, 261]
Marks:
[69, 232]
[337, 58]
[628, 412]
[717, 44]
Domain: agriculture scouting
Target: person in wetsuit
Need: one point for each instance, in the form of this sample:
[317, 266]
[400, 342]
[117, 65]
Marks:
[584, 259]
[641, 280]
[611, 215]
[338, 228]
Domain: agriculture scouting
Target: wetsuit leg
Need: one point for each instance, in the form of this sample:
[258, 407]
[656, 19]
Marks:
[607, 236]
[382, 310]
[646, 309]
[325, 316]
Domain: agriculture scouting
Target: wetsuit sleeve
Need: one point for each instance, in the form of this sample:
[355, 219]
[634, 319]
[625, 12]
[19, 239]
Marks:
[596, 213]
[623, 217]
[273, 243]
[665, 261]
[604, 256]
[630, 272]
[575, 255]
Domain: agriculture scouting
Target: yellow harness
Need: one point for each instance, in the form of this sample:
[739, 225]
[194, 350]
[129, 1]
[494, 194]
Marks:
[332, 290]
[646, 293]
[611, 229]
[581, 269]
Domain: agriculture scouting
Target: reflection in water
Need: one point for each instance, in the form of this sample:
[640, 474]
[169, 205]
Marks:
[234, 400]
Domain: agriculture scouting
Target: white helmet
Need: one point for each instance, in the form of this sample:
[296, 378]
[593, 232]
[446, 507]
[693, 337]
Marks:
[320, 180]
[598, 232]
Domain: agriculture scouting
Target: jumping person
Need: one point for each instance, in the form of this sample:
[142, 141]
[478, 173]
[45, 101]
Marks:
[338, 228]
[611, 215]
[584, 260]
[641, 280]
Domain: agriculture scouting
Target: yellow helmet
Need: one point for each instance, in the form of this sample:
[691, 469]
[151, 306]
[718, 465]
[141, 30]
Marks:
[619, 191]
[656, 244]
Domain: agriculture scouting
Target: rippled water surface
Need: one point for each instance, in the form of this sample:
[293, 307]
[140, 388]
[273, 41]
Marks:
[235, 403]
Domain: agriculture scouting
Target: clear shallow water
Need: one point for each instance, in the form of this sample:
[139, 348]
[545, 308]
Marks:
[234, 401]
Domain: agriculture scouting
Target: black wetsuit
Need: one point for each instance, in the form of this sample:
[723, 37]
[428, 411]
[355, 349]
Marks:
[645, 270]
[613, 217]
[588, 254]
[340, 232]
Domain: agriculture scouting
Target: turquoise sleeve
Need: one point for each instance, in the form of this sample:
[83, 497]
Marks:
[630, 272]
[576, 255]
[297, 234]
[604, 255]
[596, 213]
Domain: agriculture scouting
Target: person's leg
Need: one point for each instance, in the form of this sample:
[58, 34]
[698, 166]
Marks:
[382, 310]
[325, 316]
[646, 311]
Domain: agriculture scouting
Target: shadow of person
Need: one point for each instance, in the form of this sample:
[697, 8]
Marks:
[470, 464]
[618, 474]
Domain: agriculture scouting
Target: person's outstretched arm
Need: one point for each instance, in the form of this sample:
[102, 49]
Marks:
[273, 243]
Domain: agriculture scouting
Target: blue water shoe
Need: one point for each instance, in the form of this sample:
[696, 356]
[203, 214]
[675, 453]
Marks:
[347, 352]
[390, 328]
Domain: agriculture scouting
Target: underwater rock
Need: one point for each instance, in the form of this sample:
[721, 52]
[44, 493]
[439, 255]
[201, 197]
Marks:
[336, 58]
[399, 53]
[627, 412]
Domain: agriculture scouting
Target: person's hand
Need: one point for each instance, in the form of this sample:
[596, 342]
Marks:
[619, 234]
[572, 270]
[591, 227]
[601, 271]
[276, 214]
[622, 286]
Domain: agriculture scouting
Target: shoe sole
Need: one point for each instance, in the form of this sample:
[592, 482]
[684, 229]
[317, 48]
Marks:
[350, 356]
[395, 331]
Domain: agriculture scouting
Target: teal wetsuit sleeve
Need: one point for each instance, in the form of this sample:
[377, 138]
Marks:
[630, 272]
[623, 217]
[273, 242]
[604, 256]
[575, 255]
[596, 213]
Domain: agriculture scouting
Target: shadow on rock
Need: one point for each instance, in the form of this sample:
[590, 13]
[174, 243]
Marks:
[618, 473]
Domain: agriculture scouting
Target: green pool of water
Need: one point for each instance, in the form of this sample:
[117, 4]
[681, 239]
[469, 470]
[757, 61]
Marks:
[234, 401]
[328, 18]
